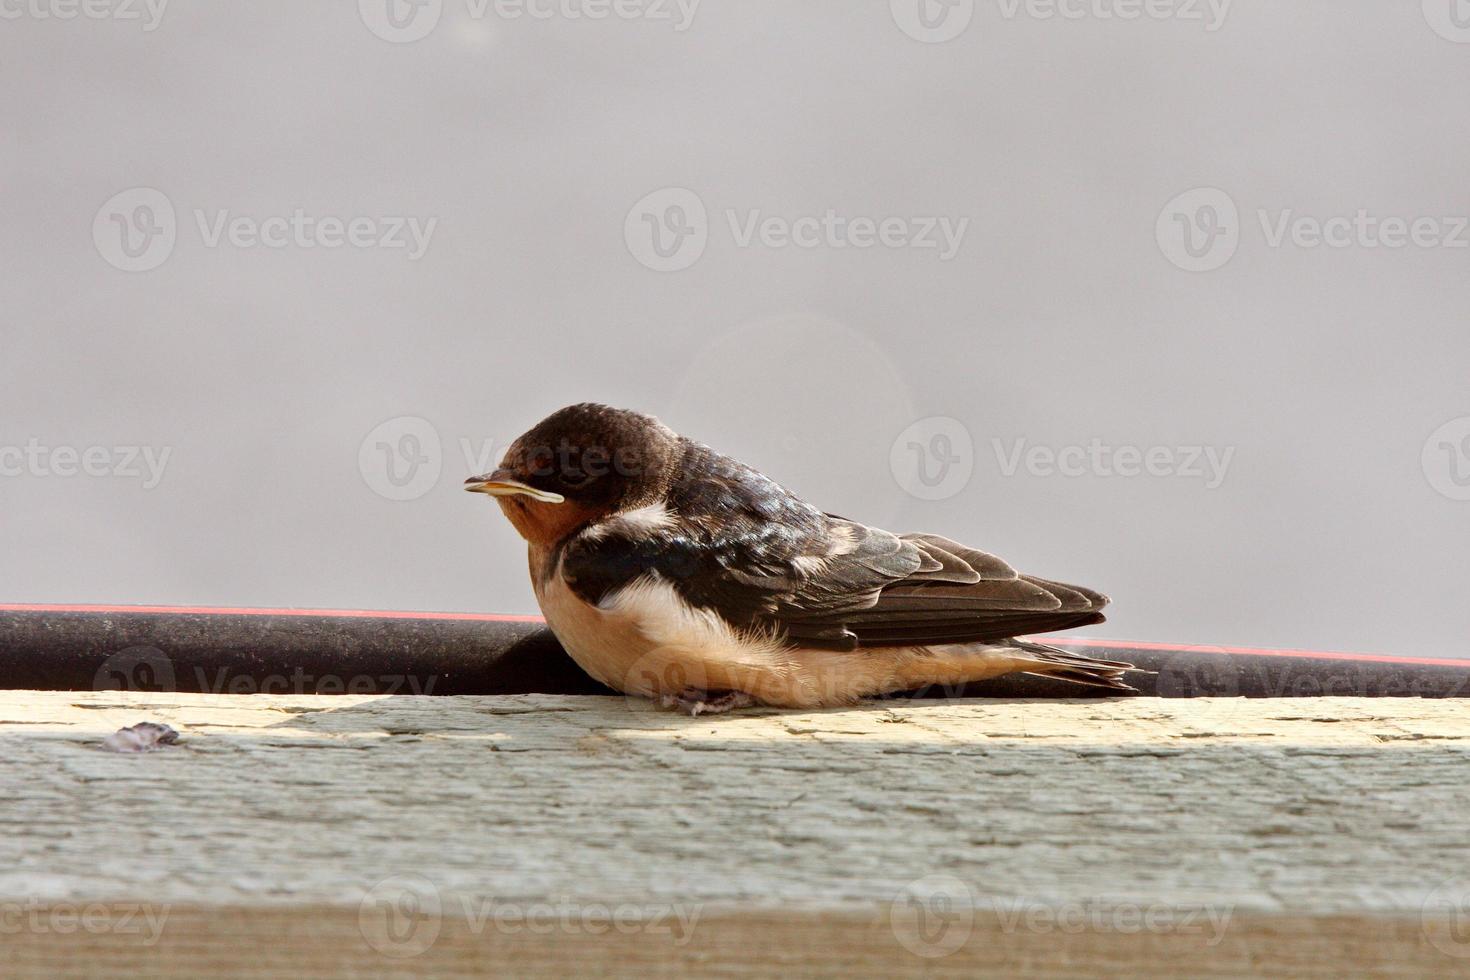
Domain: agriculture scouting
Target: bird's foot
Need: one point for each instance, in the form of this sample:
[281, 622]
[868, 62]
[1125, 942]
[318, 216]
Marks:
[694, 702]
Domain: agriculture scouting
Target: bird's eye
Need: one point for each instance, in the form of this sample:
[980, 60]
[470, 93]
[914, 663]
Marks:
[540, 464]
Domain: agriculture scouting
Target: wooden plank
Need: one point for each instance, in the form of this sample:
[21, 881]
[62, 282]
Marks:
[309, 836]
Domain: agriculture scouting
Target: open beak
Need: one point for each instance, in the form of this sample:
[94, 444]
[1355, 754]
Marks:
[499, 484]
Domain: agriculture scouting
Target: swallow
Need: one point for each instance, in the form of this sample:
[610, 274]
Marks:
[673, 572]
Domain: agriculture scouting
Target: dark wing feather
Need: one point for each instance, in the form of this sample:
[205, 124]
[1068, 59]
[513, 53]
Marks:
[974, 597]
[764, 559]
[886, 591]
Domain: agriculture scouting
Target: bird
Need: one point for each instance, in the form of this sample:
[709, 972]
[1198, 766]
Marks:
[672, 572]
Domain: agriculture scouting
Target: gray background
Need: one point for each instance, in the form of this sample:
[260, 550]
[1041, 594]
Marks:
[1060, 320]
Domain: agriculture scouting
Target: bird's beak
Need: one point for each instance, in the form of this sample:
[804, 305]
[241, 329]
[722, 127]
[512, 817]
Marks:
[500, 484]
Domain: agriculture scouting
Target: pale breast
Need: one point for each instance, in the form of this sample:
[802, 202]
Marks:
[605, 645]
[646, 640]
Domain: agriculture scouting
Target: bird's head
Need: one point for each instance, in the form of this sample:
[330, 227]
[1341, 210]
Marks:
[577, 465]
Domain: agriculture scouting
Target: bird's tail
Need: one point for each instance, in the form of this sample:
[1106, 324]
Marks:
[1052, 662]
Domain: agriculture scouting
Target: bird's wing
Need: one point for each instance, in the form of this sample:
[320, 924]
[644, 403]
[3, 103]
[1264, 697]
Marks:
[831, 582]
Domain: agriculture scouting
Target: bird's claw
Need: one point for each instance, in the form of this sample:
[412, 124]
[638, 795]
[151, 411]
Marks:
[694, 702]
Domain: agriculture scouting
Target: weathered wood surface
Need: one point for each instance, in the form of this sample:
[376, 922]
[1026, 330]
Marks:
[309, 836]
